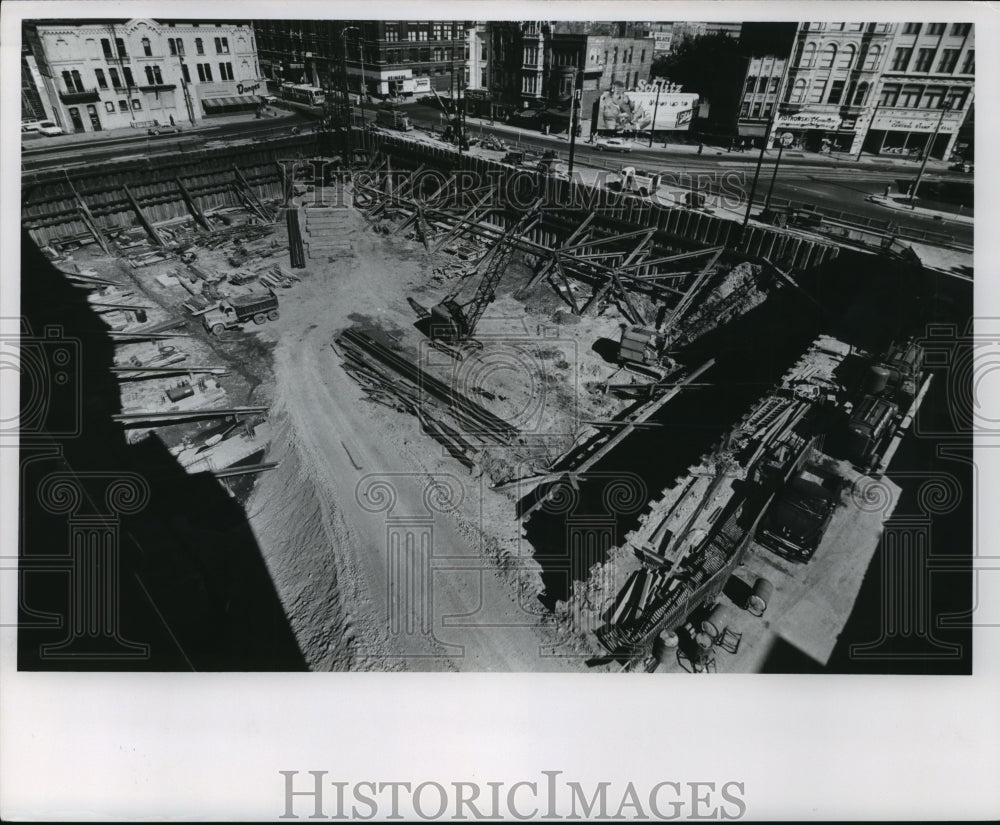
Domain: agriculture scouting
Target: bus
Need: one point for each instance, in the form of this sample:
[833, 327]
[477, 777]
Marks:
[310, 95]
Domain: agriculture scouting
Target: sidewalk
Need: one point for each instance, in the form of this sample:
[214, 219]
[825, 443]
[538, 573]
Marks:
[840, 160]
[41, 142]
[899, 204]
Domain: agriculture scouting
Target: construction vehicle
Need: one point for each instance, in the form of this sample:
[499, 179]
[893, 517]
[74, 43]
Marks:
[642, 350]
[453, 322]
[232, 313]
[632, 182]
[393, 119]
[799, 515]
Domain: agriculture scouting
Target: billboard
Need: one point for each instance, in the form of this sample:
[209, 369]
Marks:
[617, 110]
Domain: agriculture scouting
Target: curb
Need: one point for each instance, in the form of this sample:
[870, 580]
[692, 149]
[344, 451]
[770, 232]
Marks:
[892, 203]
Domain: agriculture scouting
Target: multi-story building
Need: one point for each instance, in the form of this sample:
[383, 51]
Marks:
[761, 90]
[925, 90]
[114, 73]
[536, 63]
[34, 104]
[387, 58]
[830, 84]
[881, 87]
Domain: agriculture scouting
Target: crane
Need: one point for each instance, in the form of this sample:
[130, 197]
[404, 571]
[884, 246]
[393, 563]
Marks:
[453, 322]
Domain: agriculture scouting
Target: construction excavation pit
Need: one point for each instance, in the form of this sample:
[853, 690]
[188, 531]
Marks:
[409, 408]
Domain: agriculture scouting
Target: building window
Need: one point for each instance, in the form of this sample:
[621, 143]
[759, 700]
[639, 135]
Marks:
[115, 81]
[129, 82]
[762, 85]
[889, 95]
[751, 82]
[157, 76]
[855, 27]
[391, 34]
[901, 59]
[185, 73]
[204, 72]
[836, 91]
[745, 109]
[911, 28]
[957, 98]
[147, 49]
[221, 45]
[109, 107]
[925, 59]
[847, 57]
[774, 85]
[768, 109]
[816, 92]
[411, 35]
[969, 67]
[756, 110]
[102, 81]
[642, 56]
[936, 28]
[106, 47]
[861, 94]
[872, 58]
[122, 105]
[199, 46]
[809, 55]
[615, 55]
[909, 98]
[120, 45]
[797, 93]
[172, 45]
[149, 75]
[225, 71]
[827, 57]
[136, 103]
[960, 29]
[949, 59]
[934, 97]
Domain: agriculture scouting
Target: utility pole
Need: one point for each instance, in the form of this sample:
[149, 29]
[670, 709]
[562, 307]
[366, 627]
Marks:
[656, 108]
[945, 108]
[574, 116]
[782, 143]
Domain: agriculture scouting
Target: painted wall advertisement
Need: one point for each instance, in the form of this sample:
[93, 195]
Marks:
[617, 110]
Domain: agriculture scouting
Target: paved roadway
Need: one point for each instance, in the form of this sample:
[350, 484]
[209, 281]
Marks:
[839, 186]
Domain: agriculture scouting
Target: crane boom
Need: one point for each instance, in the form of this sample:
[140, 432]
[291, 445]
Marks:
[452, 321]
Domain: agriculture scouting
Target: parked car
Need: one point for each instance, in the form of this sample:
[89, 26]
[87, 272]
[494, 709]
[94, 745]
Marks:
[613, 145]
[42, 127]
[963, 166]
[164, 128]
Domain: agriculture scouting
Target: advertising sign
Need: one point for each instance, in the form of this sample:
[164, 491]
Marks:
[804, 120]
[622, 111]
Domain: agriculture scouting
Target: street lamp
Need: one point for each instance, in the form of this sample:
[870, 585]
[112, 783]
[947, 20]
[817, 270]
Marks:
[347, 97]
[945, 108]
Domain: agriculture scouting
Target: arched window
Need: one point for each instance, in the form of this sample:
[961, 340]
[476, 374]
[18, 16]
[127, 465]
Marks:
[861, 95]
[847, 57]
[872, 59]
[798, 91]
[828, 56]
[146, 49]
[809, 56]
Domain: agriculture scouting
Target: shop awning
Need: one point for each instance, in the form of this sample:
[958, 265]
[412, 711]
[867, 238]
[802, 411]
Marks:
[220, 105]
[752, 130]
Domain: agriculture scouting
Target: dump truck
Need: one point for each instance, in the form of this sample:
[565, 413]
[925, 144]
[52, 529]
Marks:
[393, 119]
[232, 313]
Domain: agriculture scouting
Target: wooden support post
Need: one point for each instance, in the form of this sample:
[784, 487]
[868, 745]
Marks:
[192, 205]
[251, 196]
[88, 218]
[150, 229]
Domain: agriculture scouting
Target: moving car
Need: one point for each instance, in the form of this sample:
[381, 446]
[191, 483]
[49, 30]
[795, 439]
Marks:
[613, 145]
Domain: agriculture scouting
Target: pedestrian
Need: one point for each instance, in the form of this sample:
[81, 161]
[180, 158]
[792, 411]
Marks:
[701, 146]
[732, 141]
[743, 145]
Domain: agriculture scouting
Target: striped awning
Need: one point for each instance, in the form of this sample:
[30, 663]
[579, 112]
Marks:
[231, 104]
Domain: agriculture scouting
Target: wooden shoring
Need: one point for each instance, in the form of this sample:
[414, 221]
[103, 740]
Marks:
[243, 185]
[538, 276]
[454, 232]
[192, 204]
[692, 290]
[88, 218]
[150, 229]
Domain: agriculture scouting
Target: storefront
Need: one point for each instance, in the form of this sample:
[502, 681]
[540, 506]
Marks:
[815, 132]
[230, 97]
[910, 133]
